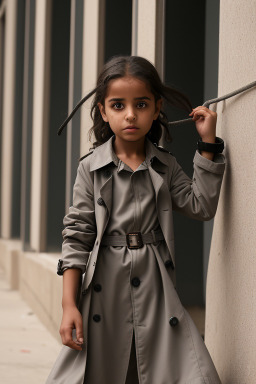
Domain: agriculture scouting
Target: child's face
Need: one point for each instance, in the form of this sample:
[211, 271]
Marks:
[135, 106]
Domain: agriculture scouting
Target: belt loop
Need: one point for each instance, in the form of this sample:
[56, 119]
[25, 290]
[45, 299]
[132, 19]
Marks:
[154, 236]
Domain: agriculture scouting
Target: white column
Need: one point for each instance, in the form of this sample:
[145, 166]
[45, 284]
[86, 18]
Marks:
[70, 102]
[146, 44]
[8, 116]
[40, 125]
[93, 49]
[231, 283]
[148, 31]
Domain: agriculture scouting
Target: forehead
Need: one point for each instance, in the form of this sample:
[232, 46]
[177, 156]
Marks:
[127, 87]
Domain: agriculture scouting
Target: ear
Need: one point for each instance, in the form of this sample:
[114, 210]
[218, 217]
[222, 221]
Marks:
[158, 108]
[102, 112]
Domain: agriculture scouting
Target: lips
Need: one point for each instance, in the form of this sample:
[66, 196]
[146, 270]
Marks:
[131, 127]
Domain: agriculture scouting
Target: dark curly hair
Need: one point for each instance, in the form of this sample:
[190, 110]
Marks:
[138, 67]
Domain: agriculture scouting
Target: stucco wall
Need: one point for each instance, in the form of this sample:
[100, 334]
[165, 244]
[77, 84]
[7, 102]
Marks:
[231, 282]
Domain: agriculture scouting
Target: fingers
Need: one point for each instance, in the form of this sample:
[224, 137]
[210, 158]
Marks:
[66, 336]
[79, 332]
[202, 111]
[71, 329]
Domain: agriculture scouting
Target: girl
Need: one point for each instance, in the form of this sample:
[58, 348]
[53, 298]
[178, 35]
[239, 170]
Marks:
[123, 322]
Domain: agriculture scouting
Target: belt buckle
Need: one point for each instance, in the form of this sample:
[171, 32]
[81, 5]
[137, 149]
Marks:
[134, 240]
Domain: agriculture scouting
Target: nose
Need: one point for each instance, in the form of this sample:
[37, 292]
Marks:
[130, 114]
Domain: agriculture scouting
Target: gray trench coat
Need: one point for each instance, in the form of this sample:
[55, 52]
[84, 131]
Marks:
[85, 224]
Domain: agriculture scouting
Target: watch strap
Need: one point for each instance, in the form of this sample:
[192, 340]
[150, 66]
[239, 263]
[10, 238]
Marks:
[216, 147]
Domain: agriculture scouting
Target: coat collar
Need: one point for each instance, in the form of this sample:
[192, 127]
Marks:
[105, 154]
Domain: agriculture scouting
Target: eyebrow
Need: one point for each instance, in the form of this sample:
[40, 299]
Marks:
[136, 98]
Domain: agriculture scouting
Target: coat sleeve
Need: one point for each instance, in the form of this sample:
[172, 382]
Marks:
[80, 231]
[198, 197]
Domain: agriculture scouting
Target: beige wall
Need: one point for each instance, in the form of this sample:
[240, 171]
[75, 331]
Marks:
[231, 286]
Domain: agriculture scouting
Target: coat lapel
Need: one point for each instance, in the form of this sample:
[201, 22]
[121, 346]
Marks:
[106, 195]
[164, 206]
[102, 193]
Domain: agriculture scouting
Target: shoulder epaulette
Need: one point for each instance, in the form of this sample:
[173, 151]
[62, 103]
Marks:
[162, 149]
[87, 154]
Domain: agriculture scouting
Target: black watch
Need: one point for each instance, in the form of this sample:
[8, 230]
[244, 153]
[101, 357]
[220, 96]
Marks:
[216, 147]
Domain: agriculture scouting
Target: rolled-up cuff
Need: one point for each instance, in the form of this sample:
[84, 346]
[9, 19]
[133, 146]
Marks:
[64, 264]
[217, 165]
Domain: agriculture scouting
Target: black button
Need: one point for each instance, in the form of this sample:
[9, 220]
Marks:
[97, 287]
[100, 201]
[173, 321]
[169, 263]
[135, 281]
[96, 318]
[84, 292]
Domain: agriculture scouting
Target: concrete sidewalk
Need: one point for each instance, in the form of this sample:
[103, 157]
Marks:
[27, 349]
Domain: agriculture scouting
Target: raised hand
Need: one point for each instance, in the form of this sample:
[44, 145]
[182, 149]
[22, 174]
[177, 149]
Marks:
[205, 121]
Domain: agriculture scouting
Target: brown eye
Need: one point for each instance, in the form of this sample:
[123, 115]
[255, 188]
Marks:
[116, 105]
[142, 104]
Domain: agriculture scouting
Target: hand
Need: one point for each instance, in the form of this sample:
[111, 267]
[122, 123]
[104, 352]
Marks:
[205, 121]
[71, 319]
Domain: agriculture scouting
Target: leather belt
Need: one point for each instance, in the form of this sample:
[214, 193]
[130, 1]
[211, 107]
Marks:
[133, 240]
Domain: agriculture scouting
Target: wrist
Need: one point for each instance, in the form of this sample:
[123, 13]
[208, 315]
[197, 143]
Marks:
[209, 139]
[66, 304]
